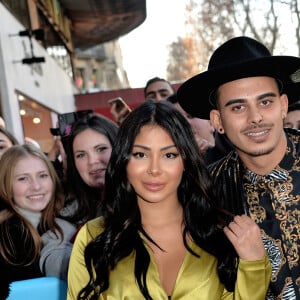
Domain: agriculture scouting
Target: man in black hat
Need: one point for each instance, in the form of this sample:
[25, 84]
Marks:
[245, 92]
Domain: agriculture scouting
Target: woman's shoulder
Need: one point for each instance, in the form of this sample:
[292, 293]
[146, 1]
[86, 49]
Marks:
[91, 229]
[95, 226]
[64, 224]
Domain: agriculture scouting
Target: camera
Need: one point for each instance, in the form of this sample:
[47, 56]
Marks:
[66, 120]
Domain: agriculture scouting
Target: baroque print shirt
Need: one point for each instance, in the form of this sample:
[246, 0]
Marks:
[273, 202]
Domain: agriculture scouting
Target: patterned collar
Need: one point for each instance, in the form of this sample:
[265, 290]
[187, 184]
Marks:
[279, 175]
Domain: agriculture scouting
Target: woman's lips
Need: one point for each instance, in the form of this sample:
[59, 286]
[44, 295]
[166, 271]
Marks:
[154, 187]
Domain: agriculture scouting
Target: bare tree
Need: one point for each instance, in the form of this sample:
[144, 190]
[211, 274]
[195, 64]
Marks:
[209, 23]
[182, 61]
[295, 9]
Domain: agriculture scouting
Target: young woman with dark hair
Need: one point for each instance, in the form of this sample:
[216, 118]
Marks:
[161, 234]
[88, 150]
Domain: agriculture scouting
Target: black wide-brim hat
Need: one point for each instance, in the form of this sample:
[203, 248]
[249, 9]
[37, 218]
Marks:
[237, 58]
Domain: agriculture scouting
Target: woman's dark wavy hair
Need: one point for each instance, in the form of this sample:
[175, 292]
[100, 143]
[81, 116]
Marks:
[121, 215]
[88, 198]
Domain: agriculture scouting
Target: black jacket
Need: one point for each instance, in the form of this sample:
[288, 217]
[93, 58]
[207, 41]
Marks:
[20, 255]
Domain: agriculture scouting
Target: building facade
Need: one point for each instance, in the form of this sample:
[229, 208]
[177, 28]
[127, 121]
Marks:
[39, 40]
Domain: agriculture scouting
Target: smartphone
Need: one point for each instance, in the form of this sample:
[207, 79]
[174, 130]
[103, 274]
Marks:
[66, 120]
[119, 109]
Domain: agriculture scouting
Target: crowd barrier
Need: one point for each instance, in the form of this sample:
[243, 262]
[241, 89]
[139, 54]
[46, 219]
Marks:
[43, 288]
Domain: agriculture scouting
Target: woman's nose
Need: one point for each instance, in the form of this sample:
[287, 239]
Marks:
[154, 168]
[94, 158]
[35, 183]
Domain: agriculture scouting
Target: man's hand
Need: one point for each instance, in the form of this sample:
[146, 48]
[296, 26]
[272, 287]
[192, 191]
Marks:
[245, 236]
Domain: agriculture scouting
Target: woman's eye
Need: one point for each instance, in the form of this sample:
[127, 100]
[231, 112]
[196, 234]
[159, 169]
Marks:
[171, 155]
[79, 155]
[101, 149]
[23, 178]
[44, 175]
[138, 154]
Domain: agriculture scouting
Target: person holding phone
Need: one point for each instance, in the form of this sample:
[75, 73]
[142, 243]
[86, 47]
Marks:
[65, 123]
[119, 109]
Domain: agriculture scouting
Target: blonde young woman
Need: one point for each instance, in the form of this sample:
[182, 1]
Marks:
[33, 241]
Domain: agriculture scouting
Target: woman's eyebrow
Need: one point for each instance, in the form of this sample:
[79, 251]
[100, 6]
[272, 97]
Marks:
[148, 148]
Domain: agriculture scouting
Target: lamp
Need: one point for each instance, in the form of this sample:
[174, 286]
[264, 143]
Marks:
[33, 60]
[28, 111]
[38, 34]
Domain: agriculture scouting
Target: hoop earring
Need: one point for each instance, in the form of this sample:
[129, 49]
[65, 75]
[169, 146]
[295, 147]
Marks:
[221, 130]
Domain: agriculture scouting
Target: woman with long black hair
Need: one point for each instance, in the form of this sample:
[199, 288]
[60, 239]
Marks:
[161, 234]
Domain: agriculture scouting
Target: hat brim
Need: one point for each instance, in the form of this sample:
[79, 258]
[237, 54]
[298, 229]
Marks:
[194, 94]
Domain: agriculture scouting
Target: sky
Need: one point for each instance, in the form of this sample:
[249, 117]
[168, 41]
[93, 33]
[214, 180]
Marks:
[144, 49]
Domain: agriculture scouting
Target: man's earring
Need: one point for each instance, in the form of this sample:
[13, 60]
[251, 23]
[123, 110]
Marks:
[221, 130]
